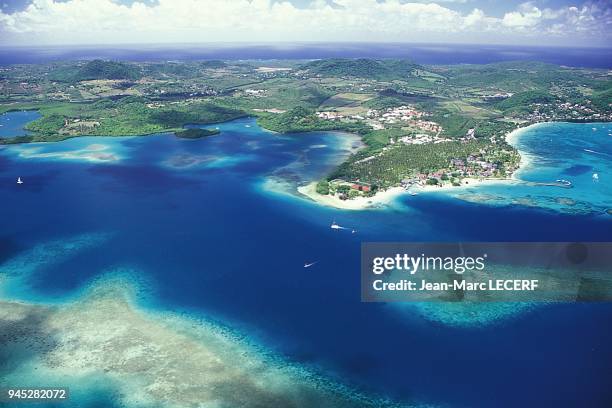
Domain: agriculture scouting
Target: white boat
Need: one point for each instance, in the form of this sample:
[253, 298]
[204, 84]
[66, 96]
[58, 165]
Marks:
[595, 177]
[308, 265]
[19, 181]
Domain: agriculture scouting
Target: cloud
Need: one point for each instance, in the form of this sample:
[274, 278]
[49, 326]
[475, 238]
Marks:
[528, 15]
[591, 20]
[192, 21]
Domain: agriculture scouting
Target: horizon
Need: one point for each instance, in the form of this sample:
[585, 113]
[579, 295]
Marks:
[422, 53]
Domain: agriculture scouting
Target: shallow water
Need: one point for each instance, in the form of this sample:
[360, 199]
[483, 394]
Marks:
[194, 219]
[580, 153]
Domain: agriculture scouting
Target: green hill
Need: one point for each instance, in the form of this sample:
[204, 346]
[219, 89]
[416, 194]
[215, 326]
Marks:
[524, 99]
[514, 76]
[96, 69]
[362, 68]
[603, 99]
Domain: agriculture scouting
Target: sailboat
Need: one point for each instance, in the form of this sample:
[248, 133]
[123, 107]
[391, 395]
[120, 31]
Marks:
[335, 226]
[19, 181]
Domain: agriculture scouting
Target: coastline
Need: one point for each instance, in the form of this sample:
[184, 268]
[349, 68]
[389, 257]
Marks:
[380, 199]
[513, 139]
[384, 198]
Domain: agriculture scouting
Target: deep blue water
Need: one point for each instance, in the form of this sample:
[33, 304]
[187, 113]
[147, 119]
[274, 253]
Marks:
[12, 125]
[215, 242]
[421, 53]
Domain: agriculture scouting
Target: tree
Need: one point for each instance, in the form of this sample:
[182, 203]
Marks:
[323, 187]
[343, 189]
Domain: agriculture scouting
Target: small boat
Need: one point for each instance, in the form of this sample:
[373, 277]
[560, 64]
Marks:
[19, 180]
[595, 177]
[308, 265]
[247, 125]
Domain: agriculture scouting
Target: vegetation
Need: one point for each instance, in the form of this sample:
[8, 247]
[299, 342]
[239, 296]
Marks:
[123, 117]
[96, 69]
[300, 119]
[522, 100]
[395, 164]
[323, 187]
[196, 133]
[388, 69]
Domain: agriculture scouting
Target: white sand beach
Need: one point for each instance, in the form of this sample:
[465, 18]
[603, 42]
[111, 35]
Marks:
[380, 199]
[512, 139]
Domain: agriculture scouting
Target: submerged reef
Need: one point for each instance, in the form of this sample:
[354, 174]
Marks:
[52, 252]
[471, 314]
[157, 359]
[98, 153]
[147, 357]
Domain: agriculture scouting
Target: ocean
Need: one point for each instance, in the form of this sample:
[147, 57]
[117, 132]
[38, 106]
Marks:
[212, 227]
[421, 53]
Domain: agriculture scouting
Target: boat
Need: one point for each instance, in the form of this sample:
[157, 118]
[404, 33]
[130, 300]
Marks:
[595, 177]
[565, 183]
[19, 181]
[308, 265]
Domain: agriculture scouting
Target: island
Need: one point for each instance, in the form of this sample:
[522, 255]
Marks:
[196, 133]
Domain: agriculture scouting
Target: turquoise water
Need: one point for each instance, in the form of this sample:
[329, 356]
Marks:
[578, 152]
[196, 220]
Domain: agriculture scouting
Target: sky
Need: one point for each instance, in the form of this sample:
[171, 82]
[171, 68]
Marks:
[96, 22]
